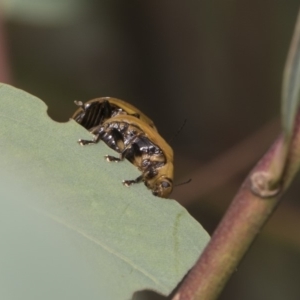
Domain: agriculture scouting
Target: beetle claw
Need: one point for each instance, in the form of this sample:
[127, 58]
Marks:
[110, 158]
[85, 142]
[128, 183]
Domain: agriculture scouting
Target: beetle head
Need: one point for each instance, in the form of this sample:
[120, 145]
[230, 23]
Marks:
[162, 187]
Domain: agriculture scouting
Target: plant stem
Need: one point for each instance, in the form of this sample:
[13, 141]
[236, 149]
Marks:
[241, 224]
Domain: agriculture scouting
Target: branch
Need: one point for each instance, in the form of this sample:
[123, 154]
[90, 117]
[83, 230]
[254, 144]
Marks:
[239, 227]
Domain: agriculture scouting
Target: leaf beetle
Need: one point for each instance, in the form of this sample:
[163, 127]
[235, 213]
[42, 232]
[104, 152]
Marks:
[142, 145]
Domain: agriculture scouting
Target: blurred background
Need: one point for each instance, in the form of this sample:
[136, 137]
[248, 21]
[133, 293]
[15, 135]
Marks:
[217, 64]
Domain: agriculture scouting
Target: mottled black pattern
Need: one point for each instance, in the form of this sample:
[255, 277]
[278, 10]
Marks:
[120, 133]
[95, 113]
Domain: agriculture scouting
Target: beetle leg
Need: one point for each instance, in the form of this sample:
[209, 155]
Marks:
[97, 131]
[110, 158]
[95, 140]
[150, 173]
[115, 141]
[125, 151]
[130, 182]
[80, 104]
[122, 156]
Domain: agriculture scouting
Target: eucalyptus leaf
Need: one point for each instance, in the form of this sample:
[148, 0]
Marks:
[69, 228]
[291, 83]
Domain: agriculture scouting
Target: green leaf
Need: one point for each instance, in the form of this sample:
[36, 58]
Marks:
[291, 84]
[69, 228]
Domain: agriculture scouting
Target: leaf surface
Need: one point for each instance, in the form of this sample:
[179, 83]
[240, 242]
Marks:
[70, 229]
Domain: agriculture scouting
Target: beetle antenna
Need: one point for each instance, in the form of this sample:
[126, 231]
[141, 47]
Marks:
[185, 182]
[178, 131]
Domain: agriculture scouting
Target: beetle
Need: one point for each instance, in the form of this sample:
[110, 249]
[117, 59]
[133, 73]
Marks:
[142, 145]
[98, 110]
